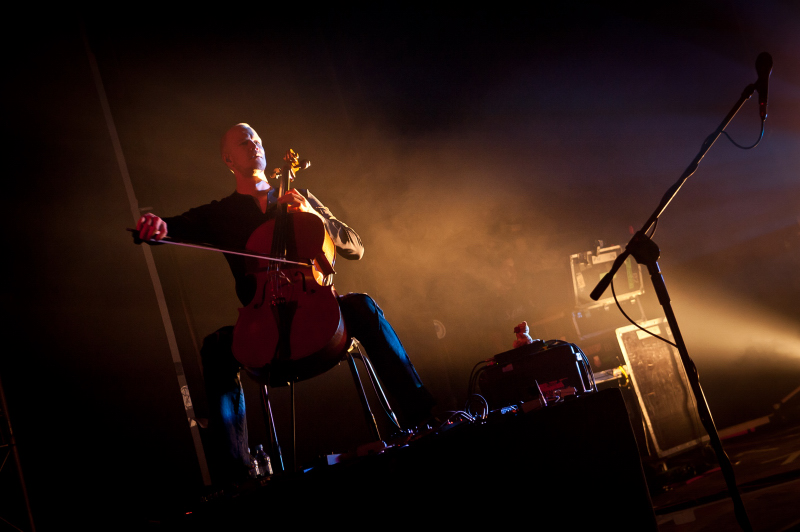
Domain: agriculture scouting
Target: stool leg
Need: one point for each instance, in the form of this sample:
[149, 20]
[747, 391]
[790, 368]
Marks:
[273, 435]
[376, 385]
[370, 418]
[294, 430]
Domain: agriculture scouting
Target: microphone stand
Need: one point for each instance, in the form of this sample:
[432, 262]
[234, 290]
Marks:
[646, 252]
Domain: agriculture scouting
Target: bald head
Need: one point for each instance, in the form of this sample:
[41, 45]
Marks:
[242, 151]
[223, 142]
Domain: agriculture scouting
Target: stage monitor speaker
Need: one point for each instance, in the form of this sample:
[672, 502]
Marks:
[662, 388]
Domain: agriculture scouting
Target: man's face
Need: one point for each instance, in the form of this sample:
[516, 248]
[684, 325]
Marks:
[243, 152]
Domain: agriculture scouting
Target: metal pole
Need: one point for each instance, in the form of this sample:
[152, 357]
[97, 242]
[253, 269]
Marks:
[151, 266]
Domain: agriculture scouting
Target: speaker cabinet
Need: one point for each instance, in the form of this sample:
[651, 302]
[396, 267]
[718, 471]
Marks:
[662, 388]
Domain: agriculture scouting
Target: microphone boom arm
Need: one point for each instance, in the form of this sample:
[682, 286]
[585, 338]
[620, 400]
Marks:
[604, 283]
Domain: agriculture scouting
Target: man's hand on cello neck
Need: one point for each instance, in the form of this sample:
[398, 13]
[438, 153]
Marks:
[296, 202]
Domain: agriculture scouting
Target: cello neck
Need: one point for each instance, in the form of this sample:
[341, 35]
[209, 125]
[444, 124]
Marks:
[293, 165]
[283, 235]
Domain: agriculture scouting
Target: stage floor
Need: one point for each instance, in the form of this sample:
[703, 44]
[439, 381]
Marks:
[766, 461]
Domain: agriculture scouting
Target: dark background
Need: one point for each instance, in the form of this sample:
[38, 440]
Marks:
[473, 152]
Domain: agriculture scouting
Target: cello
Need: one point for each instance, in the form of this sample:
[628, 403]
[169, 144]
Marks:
[293, 328]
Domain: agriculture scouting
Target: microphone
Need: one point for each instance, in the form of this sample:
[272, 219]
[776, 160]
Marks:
[764, 69]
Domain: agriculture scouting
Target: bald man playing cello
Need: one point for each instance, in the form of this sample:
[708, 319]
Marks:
[228, 223]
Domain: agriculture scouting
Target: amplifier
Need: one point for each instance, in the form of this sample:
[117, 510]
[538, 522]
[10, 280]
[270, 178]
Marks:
[542, 372]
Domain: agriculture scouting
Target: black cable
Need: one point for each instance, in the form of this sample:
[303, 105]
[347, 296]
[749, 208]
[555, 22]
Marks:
[614, 293]
[473, 376]
[484, 403]
[652, 230]
[761, 136]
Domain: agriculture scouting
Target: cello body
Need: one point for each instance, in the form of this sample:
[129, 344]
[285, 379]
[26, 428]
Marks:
[293, 328]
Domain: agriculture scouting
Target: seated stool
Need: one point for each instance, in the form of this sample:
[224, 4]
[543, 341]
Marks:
[352, 353]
